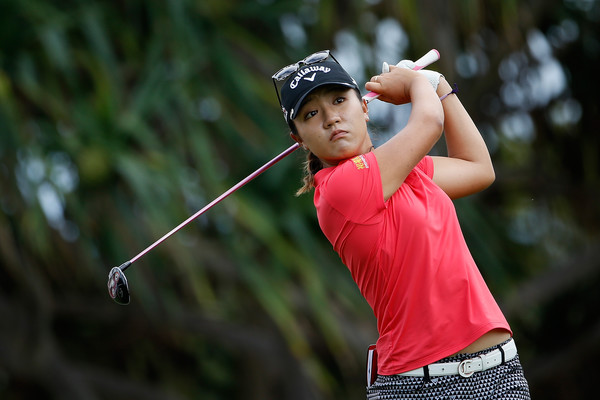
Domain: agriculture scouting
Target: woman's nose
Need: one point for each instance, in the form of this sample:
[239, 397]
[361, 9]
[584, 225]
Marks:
[331, 117]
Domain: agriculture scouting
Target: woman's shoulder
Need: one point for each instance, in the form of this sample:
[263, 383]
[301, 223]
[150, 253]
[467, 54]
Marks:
[351, 190]
[359, 165]
[354, 182]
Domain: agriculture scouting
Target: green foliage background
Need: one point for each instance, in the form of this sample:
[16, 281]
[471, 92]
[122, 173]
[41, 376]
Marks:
[119, 119]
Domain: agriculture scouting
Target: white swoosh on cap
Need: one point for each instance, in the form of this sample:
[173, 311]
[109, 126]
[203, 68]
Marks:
[312, 78]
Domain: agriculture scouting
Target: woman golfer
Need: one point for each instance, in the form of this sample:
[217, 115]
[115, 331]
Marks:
[388, 213]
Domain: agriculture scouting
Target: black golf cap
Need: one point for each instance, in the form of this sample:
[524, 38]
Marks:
[307, 79]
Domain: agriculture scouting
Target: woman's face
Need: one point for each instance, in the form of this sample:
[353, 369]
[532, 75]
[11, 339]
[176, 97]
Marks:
[332, 124]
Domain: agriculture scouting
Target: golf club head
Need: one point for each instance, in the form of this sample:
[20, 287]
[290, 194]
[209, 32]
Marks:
[117, 286]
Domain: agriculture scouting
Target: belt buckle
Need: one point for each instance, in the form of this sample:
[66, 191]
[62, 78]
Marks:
[463, 368]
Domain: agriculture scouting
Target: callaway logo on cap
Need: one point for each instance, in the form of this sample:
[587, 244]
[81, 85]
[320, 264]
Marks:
[308, 78]
[301, 75]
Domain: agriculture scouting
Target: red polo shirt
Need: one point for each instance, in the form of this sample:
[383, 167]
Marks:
[410, 261]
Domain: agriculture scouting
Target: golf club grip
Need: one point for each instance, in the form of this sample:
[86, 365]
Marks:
[241, 183]
[429, 58]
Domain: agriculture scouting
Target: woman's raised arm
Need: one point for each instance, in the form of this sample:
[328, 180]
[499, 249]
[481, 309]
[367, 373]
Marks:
[399, 155]
[468, 167]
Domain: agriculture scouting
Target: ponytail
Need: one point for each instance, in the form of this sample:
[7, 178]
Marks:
[312, 165]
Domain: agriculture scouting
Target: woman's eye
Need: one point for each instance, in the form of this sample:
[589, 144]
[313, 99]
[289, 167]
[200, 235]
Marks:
[340, 99]
[310, 114]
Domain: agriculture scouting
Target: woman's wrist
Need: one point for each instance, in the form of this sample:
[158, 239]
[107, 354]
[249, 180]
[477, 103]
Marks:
[443, 87]
[418, 83]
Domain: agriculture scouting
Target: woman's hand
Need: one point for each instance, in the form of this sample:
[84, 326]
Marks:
[395, 86]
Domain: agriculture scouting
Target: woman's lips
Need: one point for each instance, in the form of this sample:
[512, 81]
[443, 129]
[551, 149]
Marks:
[337, 134]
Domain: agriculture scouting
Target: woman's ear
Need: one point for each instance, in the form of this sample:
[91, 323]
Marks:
[365, 108]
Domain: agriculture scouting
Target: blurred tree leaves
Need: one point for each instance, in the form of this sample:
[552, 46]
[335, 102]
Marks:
[120, 119]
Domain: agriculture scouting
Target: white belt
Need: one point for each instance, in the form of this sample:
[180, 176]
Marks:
[466, 368]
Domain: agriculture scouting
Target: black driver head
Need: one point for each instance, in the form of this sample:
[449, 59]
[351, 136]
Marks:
[117, 286]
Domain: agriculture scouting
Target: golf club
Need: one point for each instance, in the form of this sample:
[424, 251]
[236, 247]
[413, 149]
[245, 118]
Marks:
[118, 288]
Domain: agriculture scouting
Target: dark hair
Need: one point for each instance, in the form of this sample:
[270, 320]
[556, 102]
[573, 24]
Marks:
[313, 164]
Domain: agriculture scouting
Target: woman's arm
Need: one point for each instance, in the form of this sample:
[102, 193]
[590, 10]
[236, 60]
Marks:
[468, 167]
[399, 155]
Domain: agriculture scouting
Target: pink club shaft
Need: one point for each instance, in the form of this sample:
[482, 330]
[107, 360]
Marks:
[243, 182]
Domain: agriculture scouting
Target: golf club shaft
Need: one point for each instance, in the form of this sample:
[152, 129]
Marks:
[244, 181]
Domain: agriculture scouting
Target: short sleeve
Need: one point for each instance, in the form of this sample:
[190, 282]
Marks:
[353, 189]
